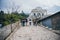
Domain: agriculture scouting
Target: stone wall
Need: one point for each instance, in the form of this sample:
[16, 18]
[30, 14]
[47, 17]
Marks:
[6, 30]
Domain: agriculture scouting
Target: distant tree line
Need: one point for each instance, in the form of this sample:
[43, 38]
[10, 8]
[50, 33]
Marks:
[7, 18]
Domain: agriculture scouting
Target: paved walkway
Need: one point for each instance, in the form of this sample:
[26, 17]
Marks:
[34, 33]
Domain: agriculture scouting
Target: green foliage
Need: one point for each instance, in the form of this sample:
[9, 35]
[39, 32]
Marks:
[1, 15]
[11, 18]
[23, 15]
[6, 22]
[15, 17]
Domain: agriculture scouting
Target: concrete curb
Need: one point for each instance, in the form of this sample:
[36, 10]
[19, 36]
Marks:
[55, 31]
[9, 37]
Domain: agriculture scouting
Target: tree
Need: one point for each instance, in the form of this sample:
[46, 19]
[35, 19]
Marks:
[22, 15]
[1, 17]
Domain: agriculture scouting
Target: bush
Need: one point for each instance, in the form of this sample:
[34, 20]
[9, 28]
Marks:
[6, 23]
[13, 17]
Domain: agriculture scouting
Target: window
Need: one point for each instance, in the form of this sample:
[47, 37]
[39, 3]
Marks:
[29, 19]
[34, 14]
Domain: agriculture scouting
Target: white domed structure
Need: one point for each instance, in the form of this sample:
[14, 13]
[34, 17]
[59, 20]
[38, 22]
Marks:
[38, 12]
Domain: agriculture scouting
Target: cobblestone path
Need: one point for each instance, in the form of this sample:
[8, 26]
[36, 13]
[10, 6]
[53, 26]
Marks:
[34, 33]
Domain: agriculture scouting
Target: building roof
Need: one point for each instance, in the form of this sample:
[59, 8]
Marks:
[48, 16]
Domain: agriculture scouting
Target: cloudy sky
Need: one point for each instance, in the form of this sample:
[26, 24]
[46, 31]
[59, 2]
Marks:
[51, 6]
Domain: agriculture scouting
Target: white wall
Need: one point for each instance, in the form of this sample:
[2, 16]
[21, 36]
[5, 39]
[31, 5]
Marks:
[36, 11]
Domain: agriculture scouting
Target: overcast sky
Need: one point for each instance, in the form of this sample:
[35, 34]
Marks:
[51, 6]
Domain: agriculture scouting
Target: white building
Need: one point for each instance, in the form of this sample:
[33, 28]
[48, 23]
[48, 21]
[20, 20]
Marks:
[38, 12]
